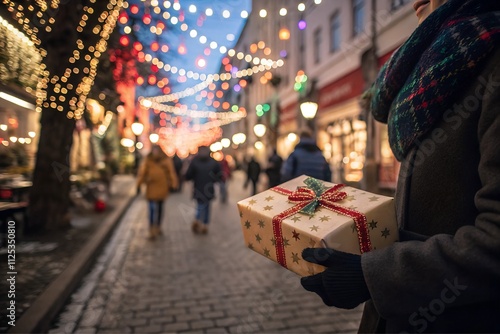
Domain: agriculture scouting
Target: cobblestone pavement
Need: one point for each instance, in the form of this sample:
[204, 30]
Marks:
[190, 283]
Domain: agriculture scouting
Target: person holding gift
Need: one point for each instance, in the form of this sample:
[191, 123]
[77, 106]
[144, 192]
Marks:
[440, 97]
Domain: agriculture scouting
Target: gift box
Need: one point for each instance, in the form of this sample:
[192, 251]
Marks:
[305, 212]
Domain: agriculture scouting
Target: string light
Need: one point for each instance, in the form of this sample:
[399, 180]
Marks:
[62, 84]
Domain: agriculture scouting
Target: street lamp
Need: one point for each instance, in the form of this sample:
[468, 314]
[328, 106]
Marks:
[259, 130]
[137, 128]
[153, 138]
[309, 110]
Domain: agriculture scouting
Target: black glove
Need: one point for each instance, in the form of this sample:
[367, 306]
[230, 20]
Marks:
[342, 283]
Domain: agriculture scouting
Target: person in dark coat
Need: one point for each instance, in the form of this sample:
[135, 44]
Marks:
[253, 174]
[204, 171]
[273, 169]
[440, 97]
[306, 159]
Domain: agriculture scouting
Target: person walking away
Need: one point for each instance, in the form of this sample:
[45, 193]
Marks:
[158, 173]
[273, 169]
[178, 168]
[306, 159]
[439, 94]
[204, 171]
[226, 175]
[253, 173]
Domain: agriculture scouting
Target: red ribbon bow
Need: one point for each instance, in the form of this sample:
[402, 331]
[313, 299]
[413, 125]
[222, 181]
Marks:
[307, 199]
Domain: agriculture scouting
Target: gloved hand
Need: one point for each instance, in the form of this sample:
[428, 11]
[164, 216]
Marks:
[342, 283]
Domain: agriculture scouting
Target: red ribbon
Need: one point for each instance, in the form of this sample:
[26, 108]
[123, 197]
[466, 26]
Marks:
[304, 196]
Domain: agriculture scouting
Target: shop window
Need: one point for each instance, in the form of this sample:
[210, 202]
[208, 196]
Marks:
[389, 166]
[348, 145]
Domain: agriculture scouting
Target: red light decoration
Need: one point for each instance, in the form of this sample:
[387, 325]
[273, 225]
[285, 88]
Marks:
[228, 67]
[182, 49]
[160, 25]
[139, 81]
[154, 68]
[134, 9]
[152, 79]
[155, 46]
[138, 46]
[146, 19]
[124, 40]
[225, 61]
[207, 52]
[123, 18]
[166, 90]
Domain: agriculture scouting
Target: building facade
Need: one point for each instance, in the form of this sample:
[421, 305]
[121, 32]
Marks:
[330, 58]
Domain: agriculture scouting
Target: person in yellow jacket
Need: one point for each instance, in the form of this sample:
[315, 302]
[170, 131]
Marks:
[158, 173]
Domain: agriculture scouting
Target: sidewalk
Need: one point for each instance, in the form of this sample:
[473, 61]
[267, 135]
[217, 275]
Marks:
[187, 283]
[42, 259]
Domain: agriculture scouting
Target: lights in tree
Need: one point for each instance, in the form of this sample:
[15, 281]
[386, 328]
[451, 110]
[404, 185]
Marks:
[201, 62]
[263, 13]
[302, 24]
[209, 12]
[283, 11]
[244, 14]
[182, 49]
[301, 7]
[226, 14]
[124, 40]
[192, 8]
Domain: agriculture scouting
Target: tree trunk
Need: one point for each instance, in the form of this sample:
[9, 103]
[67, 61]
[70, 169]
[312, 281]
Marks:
[49, 198]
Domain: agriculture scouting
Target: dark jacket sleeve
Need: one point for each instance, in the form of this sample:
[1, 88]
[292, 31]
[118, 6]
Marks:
[464, 267]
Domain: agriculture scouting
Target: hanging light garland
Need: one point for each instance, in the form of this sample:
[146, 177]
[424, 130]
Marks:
[62, 86]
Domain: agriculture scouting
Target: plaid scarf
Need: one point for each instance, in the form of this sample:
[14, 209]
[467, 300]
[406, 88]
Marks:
[426, 75]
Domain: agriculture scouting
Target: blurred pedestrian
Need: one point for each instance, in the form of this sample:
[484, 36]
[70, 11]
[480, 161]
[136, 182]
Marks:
[253, 174]
[158, 173]
[178, 167]
[306, 159]
[204, 171]
[225, 176]
[440, 96]
[273, 169]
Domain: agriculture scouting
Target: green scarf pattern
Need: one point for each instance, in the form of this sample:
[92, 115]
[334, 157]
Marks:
[427, 74]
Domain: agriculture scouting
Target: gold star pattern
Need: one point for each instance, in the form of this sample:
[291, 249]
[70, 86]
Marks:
[312, 243]
[268, 208]
[286, 242]
[373, 198]
[295, 257]
[349, 198]
[241, 214]
[373, 224]
[258, 238]
[353, 227]
[273, 242]
[267, 252]
[295, 218]
[261, 223]
[247, 224]
[314, 228]
[250, 245]
[269, 198]
[324, 218]
[353, 207]
[252, 202]
[296, 235]
[386, 233]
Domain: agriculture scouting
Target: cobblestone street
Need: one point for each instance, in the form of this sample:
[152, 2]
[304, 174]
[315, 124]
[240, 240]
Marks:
[183, 282]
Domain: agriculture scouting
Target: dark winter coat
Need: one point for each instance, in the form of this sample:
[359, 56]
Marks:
[204, 171]
[253, 170]
[306, 159]
[273, 170]
[444, 275]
